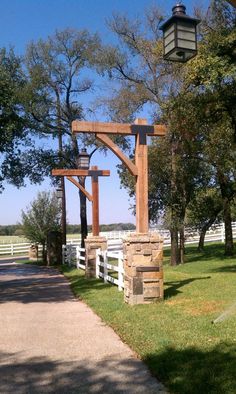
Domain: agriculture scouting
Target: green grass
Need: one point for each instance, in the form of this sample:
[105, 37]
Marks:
[176, 338]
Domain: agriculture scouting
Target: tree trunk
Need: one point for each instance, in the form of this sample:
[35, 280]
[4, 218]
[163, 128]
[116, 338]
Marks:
[202, 239]
[174, 247]
[174, 217]
[63, 212]
[60, 154]
[204, 229]
[227, 196]
[229, 244]
[83, 213]
[181, 244]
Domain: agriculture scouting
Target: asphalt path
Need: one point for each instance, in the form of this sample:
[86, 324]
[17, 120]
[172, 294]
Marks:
[51, 342]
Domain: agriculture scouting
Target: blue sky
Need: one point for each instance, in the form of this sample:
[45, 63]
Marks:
[22, 21]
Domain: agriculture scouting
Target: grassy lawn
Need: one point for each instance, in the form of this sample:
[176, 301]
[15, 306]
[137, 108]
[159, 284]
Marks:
[176, 338]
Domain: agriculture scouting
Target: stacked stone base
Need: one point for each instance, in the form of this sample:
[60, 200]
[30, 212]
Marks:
[143, 268]
[91, 245]
[33, 252]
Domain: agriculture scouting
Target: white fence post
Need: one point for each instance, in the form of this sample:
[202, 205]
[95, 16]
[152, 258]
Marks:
[98, 252]
[120, 272]
[63, 254]
[222, 232]
[77, 256]
[12, 249]
[105, 270]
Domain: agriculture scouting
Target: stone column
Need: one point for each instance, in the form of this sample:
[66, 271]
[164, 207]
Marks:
[33, 252]
[92, 243]
[143, 270]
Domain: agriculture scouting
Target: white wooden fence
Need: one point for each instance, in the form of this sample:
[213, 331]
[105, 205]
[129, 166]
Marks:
[102, 261]
[16, 249]
[215, 234]
[72, 255]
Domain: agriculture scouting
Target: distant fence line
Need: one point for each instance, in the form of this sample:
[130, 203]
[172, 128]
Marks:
[215, 234]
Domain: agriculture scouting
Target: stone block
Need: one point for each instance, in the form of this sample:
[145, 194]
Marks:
[147, 252]
[151, 292]
[152, 275]
[143, 267]
[137, 286]
[157, 255]
[141, 260]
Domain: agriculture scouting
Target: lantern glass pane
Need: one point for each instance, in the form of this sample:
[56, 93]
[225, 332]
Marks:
[186, 35]
[186, 44]
[169, 30]
[169, 38]
[181, 25]
[169, 47]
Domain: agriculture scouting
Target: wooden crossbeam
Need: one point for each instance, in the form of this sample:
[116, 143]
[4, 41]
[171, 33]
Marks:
[77, 184]
[94, 172]
[117, 128]
[115, 149]
[140, 130]
[77, 172]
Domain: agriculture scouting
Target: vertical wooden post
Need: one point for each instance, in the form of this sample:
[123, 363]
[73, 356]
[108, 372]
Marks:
[95, 194]
[141, 161]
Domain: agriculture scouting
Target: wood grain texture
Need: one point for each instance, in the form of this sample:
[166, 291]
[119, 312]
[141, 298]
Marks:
[116, 150]
[117, 128]
[74, 172]
[77, 184]
[141, 161]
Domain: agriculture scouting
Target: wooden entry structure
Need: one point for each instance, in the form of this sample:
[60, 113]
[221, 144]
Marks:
[140, 129]
[94, 172]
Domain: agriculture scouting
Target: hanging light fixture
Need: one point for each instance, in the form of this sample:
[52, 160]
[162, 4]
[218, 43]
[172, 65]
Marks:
[59, 193]
[83, 160]
[180, 35]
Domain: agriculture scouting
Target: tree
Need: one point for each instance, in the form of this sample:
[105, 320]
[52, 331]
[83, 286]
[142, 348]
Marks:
[57, 70]
[42, 216]
[212, 75]
[203, 211]
[13, 128]
[196, 101]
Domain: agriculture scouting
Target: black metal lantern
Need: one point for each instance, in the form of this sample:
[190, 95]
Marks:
[180, 35]
[59, 193]
[83, 160]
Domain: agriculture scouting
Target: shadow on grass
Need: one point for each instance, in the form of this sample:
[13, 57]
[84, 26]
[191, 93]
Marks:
[81, 285]
[191, 371]
[225, 269]
[114, 375]
[173, 290]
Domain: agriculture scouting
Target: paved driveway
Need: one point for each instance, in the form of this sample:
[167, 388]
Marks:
[52, 343]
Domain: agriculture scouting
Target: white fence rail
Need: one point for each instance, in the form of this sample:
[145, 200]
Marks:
[73, 256]
[215, 234]
[16, 249]
[102, 261]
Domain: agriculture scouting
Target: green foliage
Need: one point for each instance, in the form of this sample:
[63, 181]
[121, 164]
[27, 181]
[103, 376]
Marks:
[13, 125]
[42, 216]
[204, 208]
[194, 355]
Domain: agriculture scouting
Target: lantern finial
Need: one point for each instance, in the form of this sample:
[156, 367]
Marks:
[179, 9]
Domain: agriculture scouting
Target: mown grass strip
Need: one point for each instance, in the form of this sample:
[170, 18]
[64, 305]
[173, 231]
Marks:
[176, 338]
